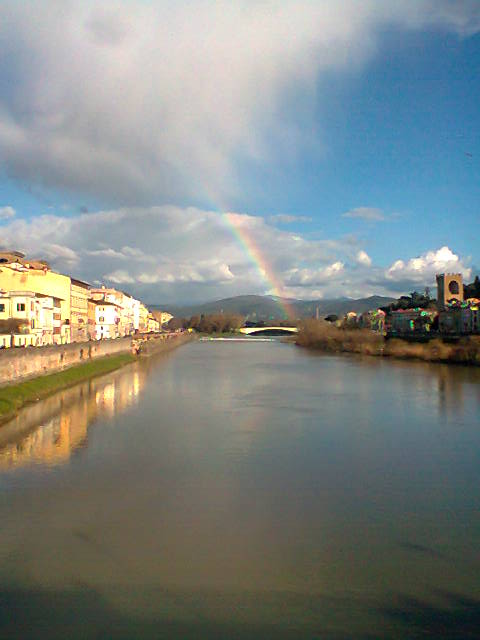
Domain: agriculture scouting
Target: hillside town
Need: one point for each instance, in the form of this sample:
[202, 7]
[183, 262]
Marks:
[40, 307]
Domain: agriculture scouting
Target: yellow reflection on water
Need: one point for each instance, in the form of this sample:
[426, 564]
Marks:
[49, 431]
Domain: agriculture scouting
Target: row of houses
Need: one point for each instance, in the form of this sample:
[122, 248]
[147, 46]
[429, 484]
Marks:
[40, 307]
[458, 319]
[452, 315]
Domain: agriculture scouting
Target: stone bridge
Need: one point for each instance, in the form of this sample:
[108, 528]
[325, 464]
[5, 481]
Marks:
[255, 331]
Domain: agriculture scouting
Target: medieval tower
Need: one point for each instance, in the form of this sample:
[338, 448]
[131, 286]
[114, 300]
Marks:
[449, 287]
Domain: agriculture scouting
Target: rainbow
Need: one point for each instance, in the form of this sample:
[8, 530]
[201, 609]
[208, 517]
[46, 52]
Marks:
[235, 223]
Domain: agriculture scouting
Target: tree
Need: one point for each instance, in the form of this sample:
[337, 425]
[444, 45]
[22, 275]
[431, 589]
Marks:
[472, 290]
[176, 323]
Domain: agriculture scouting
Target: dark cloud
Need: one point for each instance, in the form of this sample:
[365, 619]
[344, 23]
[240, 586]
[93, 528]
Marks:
[139, 102]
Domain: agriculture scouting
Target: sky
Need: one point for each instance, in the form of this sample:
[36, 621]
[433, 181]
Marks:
[191, 151]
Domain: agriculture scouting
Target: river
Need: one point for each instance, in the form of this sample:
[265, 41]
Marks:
[245, 490]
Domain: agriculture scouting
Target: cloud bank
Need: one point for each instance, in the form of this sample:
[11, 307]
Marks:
[6, 213]
[141, 103]
[171, 254]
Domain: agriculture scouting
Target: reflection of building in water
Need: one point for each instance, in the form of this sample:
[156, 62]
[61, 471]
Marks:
[51, 430]
[451, 382]
[118, 395]
[53, 442]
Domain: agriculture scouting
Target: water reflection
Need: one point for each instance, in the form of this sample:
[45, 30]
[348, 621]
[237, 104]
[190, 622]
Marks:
[50, 431]
[261, 492]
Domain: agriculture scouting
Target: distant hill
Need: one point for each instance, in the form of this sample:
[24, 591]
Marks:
[268, 307]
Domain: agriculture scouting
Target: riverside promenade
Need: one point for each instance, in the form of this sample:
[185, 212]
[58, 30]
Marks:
[19, 364]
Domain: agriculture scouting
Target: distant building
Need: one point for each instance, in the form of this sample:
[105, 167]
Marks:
[143, 314]
[373, 319]
[153, 325]
[91, 320]
[461, 319]
[129, 309]
[162, 316]
[107, 320]
[79, 295]
[408, 322]
[350, 320]
[449, 289]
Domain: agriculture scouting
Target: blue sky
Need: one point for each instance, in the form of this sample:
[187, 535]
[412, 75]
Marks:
[333, 132]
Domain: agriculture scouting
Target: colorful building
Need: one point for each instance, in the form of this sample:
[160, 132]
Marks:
[374, 320]
[407, 322]
[460, 319]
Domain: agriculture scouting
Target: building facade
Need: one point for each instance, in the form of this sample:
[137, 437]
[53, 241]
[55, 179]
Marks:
[107, 320]
[409, 322]
[79, 295]
[28, 318]
[21, 275]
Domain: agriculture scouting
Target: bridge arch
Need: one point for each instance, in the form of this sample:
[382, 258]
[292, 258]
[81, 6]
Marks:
[258, 331]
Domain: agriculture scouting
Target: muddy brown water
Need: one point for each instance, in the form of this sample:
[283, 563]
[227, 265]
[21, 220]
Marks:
[245, 490]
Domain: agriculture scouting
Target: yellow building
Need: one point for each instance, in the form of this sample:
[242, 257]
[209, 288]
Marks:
[143, 319]
[91, 320]
[79, 295]
[153, 325]
[18, 274]
[162, 316]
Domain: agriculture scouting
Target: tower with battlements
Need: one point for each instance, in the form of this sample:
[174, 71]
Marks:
[449, 288]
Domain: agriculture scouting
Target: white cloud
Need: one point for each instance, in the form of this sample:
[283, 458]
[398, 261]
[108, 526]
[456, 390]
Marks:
[6, 213]
[119, 277]
[365, 213]
[364, 258]
[313, 277]
[140, 102]
[57, 252]
[173, 254]
[422, 269]
[178, 253]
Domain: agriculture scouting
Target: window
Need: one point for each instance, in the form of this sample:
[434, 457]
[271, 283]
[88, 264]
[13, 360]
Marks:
[20, 306]
[33, 324]
[101, 319]
[2, 307]
[453, 287]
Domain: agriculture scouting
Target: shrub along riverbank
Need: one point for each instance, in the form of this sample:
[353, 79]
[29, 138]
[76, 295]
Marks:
[13, 397]
[318, 334]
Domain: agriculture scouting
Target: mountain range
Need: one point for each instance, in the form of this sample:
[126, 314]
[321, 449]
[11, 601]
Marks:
[269, 307]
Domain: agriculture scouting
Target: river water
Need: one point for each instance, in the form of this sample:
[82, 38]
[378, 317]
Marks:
[245, 490]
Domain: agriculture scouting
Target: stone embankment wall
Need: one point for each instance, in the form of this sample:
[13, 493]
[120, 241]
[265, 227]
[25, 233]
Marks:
[161, 343]
[18, 364]
[22, 363]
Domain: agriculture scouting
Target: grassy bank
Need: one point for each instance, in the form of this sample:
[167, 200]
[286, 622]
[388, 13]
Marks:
[323, 336]
[13, 397]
